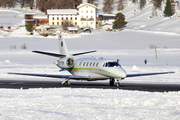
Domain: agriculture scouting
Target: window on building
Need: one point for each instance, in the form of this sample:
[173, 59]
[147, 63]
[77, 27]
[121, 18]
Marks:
[62, 23]
[71, 18]
[57, 23]
[62, 18]
[52, 23]
[87, 17]
[75, 23]
[57, 18]
[91, 11]
[75, 18]
[86, 11]
[52, 18]
[66, 18]
[86, 6]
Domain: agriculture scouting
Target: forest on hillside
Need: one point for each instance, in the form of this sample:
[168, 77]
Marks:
[43, 5]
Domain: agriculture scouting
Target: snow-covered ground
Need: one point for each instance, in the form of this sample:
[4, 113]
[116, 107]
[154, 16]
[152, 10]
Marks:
[130, 46]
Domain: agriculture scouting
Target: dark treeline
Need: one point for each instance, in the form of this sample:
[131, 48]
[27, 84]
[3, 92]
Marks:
[42, 5]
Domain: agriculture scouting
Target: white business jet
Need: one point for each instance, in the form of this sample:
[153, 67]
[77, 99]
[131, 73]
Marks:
[89, 69]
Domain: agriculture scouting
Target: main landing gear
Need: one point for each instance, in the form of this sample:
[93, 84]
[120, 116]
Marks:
[66, 82]
[111, 82]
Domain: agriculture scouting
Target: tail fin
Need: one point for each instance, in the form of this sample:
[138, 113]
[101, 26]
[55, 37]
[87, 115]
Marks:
[62, 45]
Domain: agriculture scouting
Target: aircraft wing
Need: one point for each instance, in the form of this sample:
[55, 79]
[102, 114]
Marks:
[147, 74]
[54, 76]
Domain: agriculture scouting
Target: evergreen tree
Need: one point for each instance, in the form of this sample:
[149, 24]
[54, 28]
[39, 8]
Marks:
[119, 20]
[142, 4]
[108, 5]
[169, 8]
[30, 26]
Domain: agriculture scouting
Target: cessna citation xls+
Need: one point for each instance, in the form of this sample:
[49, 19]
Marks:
[89, 69]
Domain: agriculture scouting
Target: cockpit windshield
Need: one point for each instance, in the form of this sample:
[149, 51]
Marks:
[112, 64]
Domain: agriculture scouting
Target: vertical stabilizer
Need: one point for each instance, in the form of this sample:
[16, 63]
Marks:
[62, 45]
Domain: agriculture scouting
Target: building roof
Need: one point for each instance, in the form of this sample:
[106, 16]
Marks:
[62, 11]
[42, 17]
[108, 14]
[84, 4]
[30, 13]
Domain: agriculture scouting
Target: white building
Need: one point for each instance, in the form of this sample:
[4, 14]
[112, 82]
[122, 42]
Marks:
[87, 16]
[82, 17]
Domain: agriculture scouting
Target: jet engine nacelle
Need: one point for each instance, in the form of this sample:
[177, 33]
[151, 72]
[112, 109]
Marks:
[65, 63]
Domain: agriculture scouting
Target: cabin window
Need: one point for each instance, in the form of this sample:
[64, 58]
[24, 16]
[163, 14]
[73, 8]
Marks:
[112, 64]
[104, 64]
[90, 64]
[84, 63]
[87, 63]
[96, 64]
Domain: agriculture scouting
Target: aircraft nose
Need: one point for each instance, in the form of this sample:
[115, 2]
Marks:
[123, 74]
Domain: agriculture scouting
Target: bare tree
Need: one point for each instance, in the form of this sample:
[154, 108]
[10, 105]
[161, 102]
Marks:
[142, 4]
[48, 5]
[22, 3]
[31, 3]
[120, 4]
[108, 5]
[4, 3]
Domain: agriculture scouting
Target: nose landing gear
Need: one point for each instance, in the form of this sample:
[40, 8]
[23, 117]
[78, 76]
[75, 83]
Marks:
[111, 82]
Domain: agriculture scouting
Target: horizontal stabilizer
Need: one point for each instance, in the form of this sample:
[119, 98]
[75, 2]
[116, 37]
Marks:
[54, 76]
[83, 53]
[146, 74]
[50, 54]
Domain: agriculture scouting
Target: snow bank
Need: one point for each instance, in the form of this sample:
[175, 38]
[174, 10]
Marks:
[76, 104]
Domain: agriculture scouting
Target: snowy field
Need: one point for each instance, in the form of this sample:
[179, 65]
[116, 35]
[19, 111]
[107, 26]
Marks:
[65, 103]
[130, 46]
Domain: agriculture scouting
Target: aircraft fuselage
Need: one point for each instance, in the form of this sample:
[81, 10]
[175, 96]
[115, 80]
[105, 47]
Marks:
[97, 69]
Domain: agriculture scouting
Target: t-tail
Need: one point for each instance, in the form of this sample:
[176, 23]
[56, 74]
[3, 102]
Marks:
[62, 45]
[62, 49]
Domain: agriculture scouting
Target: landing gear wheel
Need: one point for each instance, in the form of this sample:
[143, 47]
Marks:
[111, 82]
[117, 82]
[66, 82]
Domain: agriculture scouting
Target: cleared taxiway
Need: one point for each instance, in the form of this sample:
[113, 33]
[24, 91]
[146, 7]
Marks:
[99, 85]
